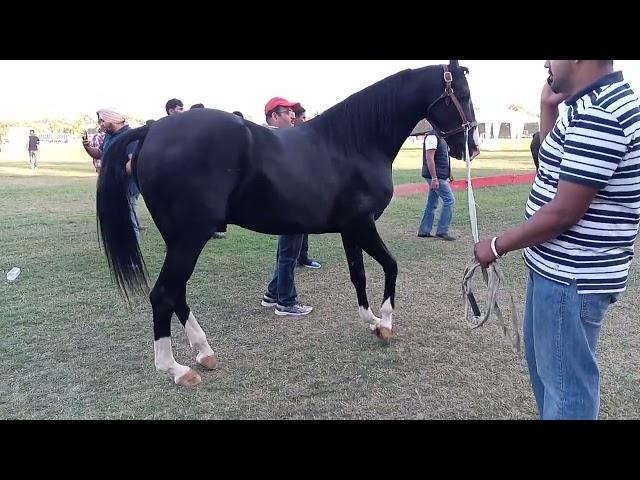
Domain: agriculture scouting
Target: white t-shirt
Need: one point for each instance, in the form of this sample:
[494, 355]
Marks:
[431, 142]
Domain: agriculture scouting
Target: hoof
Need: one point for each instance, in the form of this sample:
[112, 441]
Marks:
[189, 379]
[210, 362]
[383, 334]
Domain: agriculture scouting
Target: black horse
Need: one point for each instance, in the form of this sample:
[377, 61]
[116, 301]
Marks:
[204, 169]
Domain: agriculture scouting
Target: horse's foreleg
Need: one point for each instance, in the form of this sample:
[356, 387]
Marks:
[359, 279]
[205, 355]
[371, 242]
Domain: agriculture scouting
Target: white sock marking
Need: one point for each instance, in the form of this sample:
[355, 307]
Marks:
[386, 311]
[367, 316]
[197, 338]
[164, 361]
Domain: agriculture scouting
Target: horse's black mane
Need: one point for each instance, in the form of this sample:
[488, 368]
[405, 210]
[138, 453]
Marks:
[373, 109]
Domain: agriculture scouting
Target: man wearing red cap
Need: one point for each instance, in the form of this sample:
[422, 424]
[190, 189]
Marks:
[279, 112]
[281, 292]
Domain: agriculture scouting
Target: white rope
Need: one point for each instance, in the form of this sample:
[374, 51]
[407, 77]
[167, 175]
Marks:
[473, 215]
[493, 276]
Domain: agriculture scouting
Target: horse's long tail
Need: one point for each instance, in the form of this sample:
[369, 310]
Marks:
[114, 217]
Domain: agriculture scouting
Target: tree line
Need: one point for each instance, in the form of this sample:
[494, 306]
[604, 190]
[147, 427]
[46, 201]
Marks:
[56, 125]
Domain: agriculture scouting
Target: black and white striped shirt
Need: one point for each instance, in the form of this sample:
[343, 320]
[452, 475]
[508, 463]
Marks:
[595, 142]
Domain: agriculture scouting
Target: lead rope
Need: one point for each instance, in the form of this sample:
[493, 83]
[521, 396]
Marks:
[492, 275]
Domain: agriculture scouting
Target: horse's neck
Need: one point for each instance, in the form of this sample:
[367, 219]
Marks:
[404, 115]
[391, 123]
[413, 92]
[421, 88]
[406, 125]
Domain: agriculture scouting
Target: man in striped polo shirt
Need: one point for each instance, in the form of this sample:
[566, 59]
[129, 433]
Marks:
[581, 224]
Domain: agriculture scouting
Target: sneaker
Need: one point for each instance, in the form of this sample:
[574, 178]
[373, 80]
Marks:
[310, 264]
[268, 301]
[296, 310]
[218, 236]
[446, 236]
[425, 235]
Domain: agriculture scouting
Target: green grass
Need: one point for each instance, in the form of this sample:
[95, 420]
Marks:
[55, 159]
[71, 350]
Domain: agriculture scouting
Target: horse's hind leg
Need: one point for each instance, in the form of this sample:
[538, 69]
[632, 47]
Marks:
[358, 278]
[371, 243]
[176, 271]
[197, 339]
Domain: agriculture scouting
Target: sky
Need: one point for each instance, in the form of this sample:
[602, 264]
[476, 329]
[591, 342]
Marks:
[32, 89]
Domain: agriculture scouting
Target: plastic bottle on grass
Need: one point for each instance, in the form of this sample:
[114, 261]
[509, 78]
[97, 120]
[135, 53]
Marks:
[12, 275]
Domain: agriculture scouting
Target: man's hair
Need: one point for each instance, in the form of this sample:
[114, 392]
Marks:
[172, 104]
[196, 105]
[271, 112]
[299, 110]
[238, 113]
[32, 131]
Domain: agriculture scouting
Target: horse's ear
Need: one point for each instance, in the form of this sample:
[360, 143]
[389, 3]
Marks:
[453, 64]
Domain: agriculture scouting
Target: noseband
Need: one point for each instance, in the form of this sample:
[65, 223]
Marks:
[449, 96]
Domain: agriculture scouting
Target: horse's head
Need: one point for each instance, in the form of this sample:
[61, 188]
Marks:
[451, 112]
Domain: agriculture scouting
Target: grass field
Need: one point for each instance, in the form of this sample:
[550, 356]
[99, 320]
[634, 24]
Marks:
[71, 350]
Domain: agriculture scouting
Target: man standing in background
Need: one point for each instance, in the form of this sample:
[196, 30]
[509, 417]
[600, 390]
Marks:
[33, 149]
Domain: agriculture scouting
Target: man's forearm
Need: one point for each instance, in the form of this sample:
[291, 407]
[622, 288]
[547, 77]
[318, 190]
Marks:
[93, 152]
[546, 224]
[431, 166]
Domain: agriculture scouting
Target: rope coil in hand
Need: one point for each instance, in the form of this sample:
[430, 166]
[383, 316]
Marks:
[492, 276]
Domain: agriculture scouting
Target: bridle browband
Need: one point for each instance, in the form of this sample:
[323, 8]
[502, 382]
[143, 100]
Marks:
[450, 94]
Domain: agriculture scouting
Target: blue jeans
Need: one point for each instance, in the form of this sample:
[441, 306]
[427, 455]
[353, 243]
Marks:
[282, 286]
[304, 249]
[561, 331]
[448, 201]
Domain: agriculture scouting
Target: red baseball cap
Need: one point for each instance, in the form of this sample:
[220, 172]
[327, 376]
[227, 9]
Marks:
[276, 102]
